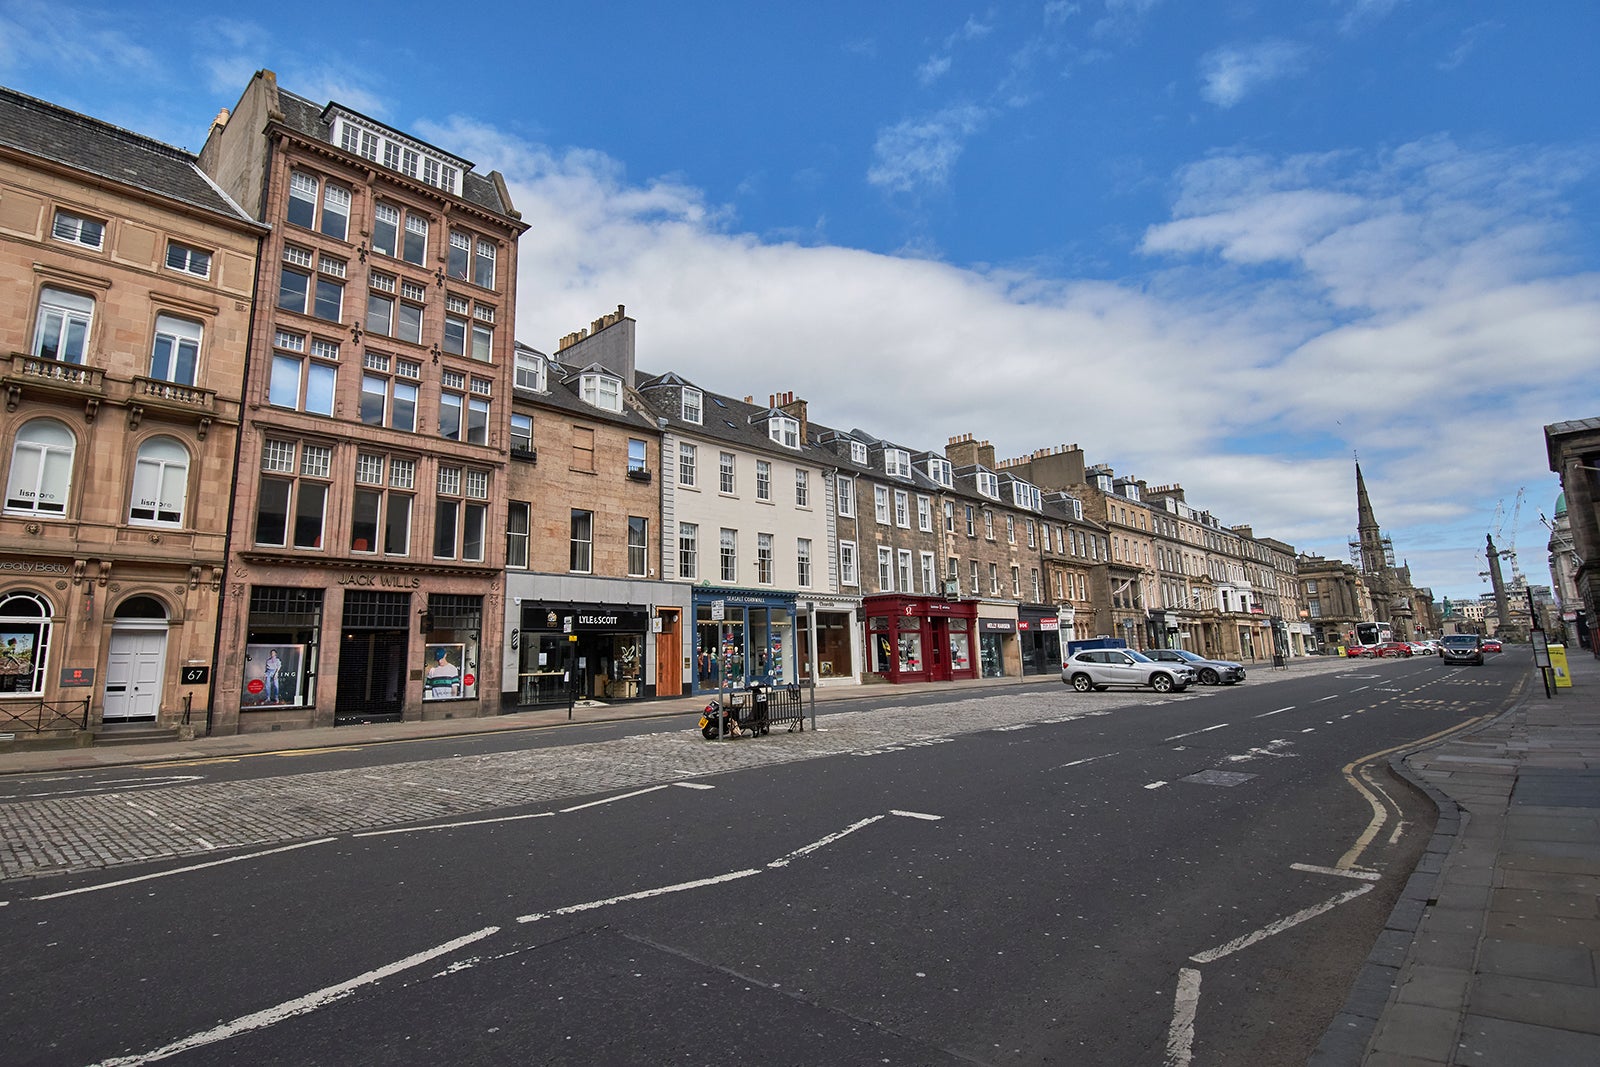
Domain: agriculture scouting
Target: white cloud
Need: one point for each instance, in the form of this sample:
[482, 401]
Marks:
[1230, 74]
[935, 68]
[920, 153]
[1303, 307]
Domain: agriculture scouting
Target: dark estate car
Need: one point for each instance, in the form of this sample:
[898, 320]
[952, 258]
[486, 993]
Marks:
[1209, 671]
[1099, 667]
[1461, 648]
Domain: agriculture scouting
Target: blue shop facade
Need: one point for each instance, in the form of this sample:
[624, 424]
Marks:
[745, 635]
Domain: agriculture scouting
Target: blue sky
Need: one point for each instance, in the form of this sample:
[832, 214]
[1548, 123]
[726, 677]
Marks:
[1229, 245]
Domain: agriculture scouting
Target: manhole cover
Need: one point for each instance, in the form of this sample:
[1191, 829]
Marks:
[1218, 778]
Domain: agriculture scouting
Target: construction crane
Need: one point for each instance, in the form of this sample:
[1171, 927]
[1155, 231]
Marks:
[1509, 552]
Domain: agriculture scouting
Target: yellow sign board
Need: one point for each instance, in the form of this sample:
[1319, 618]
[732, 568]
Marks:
[1558, 666]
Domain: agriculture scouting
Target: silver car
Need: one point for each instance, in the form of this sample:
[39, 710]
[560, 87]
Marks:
[1209, 671]
[1097, 668]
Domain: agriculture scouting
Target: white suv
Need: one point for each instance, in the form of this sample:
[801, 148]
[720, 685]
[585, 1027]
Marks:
[1096, 668]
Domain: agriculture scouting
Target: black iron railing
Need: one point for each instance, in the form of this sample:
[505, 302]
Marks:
[38, 716]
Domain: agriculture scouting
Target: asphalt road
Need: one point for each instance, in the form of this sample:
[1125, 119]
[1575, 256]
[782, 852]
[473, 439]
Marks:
[1033, 876]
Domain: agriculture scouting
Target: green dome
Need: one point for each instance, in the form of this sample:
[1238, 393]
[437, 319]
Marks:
[1561, 504]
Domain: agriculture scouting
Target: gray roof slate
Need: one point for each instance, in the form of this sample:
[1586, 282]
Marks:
[48, 131]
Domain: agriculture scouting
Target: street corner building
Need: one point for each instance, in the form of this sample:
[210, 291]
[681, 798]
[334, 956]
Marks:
[130, 280]
[365, 578]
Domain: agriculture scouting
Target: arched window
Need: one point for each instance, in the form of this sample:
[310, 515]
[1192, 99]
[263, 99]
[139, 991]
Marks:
[160, 483]
[24, 642]
[141, 607]
[62, 329]
[41, 468]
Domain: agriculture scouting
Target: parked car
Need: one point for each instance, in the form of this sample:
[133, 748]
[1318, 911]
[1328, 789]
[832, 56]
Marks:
[1421, 648]
[1461, 648]
[1392, 649]
[1491, 644]
[1096, 668]
[1208, 671]
[1354, 651]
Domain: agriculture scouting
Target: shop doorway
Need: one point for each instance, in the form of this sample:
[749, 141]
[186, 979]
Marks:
[939, 650]
[669, 654]
[135, 667]
[372, 658]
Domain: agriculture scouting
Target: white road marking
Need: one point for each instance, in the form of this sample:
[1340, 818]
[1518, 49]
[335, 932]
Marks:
[1186, 1004]
[643, 894]
[1277, 927]
[613, 800]
[830, 839]
[1155, 785]
[917, 815]
[693, 785]
[1337, 872]
[454, 825]
[1081, 762]
[1280, 711]
[180, 870]
[1332, 696]
[299, 1006]
[1193, 733]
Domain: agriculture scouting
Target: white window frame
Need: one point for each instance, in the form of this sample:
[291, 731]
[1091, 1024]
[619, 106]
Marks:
[845, 496]
[691, 405]
[847, 564]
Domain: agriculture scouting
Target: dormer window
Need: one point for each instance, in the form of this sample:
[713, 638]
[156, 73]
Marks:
[939, 470]
[1077, 508]
[1130, 490]
[1026, 496]
[897, 461]
[601, 391]
[529, 372]
[784, 430]
[858, 453]
[989, 485]
[692, 405]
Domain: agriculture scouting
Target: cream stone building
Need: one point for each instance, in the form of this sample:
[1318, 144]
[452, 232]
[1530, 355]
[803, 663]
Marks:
[130, 281]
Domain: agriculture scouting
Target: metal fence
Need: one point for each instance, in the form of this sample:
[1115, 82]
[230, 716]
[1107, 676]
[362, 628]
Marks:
[786, 704]
[39, 716]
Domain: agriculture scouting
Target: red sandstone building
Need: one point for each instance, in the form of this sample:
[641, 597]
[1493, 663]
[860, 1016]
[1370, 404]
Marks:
[366, 575]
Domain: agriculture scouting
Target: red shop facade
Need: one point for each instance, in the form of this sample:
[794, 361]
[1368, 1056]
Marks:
[920, 639]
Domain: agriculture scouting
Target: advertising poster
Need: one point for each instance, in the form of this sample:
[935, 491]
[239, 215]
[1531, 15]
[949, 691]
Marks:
[444, 679]
[16, 652]
[272, 675]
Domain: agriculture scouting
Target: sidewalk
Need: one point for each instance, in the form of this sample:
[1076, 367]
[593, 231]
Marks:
[107, 753]
[1492, 954]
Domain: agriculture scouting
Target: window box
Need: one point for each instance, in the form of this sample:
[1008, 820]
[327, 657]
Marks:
[529, 454]
[639, 474]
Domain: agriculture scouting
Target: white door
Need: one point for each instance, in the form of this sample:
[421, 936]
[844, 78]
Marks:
[134, 670]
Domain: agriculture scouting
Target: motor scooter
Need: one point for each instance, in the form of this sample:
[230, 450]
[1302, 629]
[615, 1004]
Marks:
[747, 721]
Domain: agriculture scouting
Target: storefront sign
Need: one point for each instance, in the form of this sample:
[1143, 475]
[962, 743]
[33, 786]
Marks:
[76, 677]
[997, 626]
[595, 618]
[385, 581]
[33, 566]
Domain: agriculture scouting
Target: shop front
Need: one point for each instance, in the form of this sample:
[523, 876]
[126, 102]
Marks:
[914, 639]
[830, 628]
[1039, 635]
[568, 652]
[742, 636]
[998, 649]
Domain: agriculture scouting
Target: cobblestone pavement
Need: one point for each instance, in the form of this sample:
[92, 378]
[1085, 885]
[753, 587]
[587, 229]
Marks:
[56, 835]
